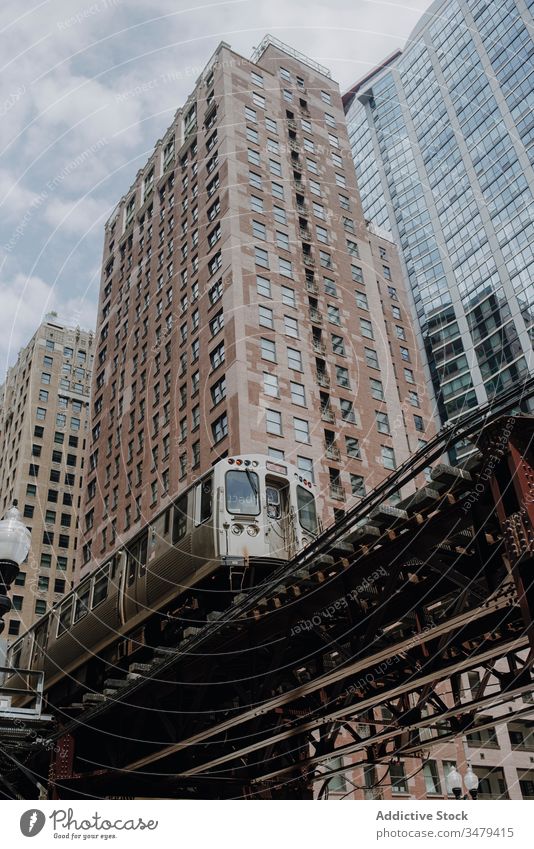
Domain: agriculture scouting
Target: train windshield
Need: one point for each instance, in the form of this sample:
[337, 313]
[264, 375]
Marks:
[242, 493]
[306, 510]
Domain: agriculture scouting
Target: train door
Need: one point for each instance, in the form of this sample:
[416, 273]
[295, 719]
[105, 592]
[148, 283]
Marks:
[203, 542]
[40, 640]
[134, 569]
[277, 508]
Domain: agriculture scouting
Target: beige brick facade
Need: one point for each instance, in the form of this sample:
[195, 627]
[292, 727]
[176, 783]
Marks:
[44, 414]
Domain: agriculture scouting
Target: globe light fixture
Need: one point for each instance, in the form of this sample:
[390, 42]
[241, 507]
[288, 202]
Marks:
[471, 782]
[454, 783]
[15, 542]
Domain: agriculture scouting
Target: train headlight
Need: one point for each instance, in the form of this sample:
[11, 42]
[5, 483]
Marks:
[237, 529]
[253, 531]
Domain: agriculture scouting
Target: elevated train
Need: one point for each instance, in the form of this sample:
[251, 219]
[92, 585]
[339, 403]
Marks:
[227, 531]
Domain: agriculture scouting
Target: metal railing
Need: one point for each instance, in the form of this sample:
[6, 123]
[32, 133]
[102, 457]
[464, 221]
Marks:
[300, 57]
[9, 693]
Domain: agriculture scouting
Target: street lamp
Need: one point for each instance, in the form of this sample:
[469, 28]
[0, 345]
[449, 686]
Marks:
[454, 783]
[14, 546]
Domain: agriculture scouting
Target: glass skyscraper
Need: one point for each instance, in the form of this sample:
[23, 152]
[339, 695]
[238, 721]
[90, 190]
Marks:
[442, 137]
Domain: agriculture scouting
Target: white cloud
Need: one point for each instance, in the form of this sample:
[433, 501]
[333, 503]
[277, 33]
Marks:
[77, 217]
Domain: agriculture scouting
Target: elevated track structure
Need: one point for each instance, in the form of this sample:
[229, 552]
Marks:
[253, 701]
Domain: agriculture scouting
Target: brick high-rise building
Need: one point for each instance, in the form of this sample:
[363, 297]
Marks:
[44, 412]
[245, 306]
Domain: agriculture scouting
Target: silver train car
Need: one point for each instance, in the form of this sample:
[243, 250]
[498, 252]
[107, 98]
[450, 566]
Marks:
[226, 532]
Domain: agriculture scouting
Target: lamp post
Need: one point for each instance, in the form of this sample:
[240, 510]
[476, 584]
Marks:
[14, 546]
[454, 783]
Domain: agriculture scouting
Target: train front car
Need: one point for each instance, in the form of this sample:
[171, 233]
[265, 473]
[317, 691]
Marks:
[266, 509]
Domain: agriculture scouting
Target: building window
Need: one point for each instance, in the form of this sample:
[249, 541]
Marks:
[352, 447]
[371, 358]
[259, 230]
[338, 345]
[298, 394]
[263, 286]
[268, 350]
[257, 79]
[361, 300]
[397, 777]
[357, 485]
[408, 375]
[301, 430]
[40, 414]
[218, 391]
[333, 313]
[273, 422]
[388, 457]
[347, 410]
[270, 385]
[217, 356]
[294, 359]
[419, 423]
[219, 428]
[33, 470]
[254, 180]
[256, 204]
[266, 317]
[366, 328]
[342, 377]
[261, 257]
[291, 326]
[288, 297]
[285, 267]
[382, 422]
[325, 259]
[413, 398]
[330, 287]
[282, 240]
[377, 389]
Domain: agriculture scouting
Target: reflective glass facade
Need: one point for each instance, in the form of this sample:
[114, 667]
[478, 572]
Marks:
[442, 139]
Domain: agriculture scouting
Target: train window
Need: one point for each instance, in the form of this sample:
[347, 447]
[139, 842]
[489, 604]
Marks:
[142, 556]
[82, 602]
[132, 563]
[65, 617]
[274, 506]
[40, 638]
[204, 493]
[306, 510]
[242, 492]
[100, 588]
[179, 521]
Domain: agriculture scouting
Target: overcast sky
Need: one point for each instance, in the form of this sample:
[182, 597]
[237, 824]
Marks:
[88, 87]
